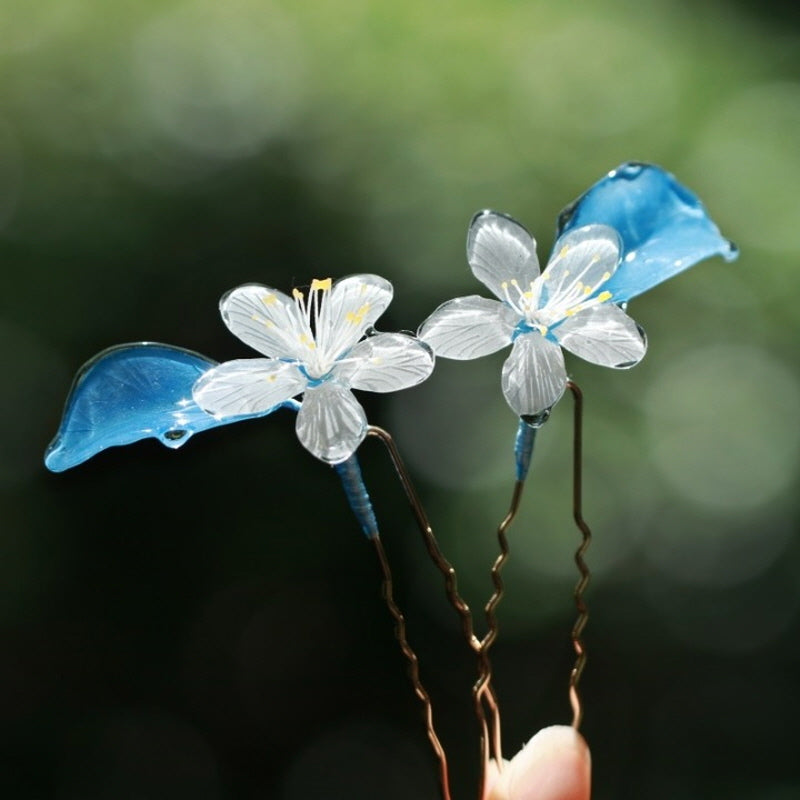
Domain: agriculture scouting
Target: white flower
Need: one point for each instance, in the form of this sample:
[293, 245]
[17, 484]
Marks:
[565, 306]
[313, 345]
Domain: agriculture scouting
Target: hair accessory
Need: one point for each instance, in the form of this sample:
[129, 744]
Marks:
[314, 346]
[633, 229]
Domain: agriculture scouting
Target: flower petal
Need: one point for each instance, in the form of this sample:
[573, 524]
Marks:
[500, 250]
[386, 362]
[534, 377]
[583, 260]
[331, 423]
[603, 335]
[663, 226]
[468, 327]
[353, 305]
[247, 386]
[265, 319]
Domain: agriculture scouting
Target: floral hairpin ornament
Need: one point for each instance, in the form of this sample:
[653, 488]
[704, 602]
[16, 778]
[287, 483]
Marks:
[633, 229]
[537, 314]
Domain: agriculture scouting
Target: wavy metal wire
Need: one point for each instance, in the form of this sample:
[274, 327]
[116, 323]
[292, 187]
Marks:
[490, 610]
[585, 575]
[482, 691]
[432, 546]
[413, 666]
[523, 450]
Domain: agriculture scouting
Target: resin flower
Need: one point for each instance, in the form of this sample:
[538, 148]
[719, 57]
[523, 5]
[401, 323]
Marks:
[313, 345]
[564, 306]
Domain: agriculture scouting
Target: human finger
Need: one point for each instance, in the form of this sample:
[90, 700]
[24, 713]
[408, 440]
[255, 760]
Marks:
[554, 765]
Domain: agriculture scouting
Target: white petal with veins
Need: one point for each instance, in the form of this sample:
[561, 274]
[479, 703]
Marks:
[468, 327]
[266, 319]
[331, 423]
[603, 335]
[500, 250]
[353, 305]
[534, 377]
[247, 386]
[583, 260]
[386, 362]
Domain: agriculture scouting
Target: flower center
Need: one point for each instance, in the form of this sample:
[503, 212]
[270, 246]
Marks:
[312, 314]
[525, 303]
[327, 325]
[542, 307]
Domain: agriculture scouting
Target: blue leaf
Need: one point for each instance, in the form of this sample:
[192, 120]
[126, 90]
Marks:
[664, 227]
[131, 392]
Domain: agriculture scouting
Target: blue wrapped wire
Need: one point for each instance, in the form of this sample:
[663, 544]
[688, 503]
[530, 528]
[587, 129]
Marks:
[356, 492]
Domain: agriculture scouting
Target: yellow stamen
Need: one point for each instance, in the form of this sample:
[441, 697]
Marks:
[606, 276]
[587, 289]
[356, 318]
[307, 341]
[269, 299]
[563, 251]
[297, 294]
[323, 285]
[603, 296]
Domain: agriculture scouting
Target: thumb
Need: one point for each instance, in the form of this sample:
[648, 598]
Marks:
[554, 765]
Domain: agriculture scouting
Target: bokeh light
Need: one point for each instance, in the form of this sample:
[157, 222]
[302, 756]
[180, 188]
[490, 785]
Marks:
[219, 80]
[721, 423]
[747, 143]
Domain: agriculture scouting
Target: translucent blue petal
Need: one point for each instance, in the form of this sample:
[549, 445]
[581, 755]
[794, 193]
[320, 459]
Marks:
[131, 392]
[663, 226]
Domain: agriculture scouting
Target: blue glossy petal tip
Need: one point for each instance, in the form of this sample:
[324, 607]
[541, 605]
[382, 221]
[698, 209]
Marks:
[132, 392]
[664, 227]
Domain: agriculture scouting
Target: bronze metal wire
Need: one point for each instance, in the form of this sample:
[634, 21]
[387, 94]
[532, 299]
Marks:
[483, 687]
[482, 691]
[413, 666]
[438, 558]
[497, 578]
[585, 575]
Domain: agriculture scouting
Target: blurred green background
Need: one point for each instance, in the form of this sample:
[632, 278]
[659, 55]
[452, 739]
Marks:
[207, 623]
